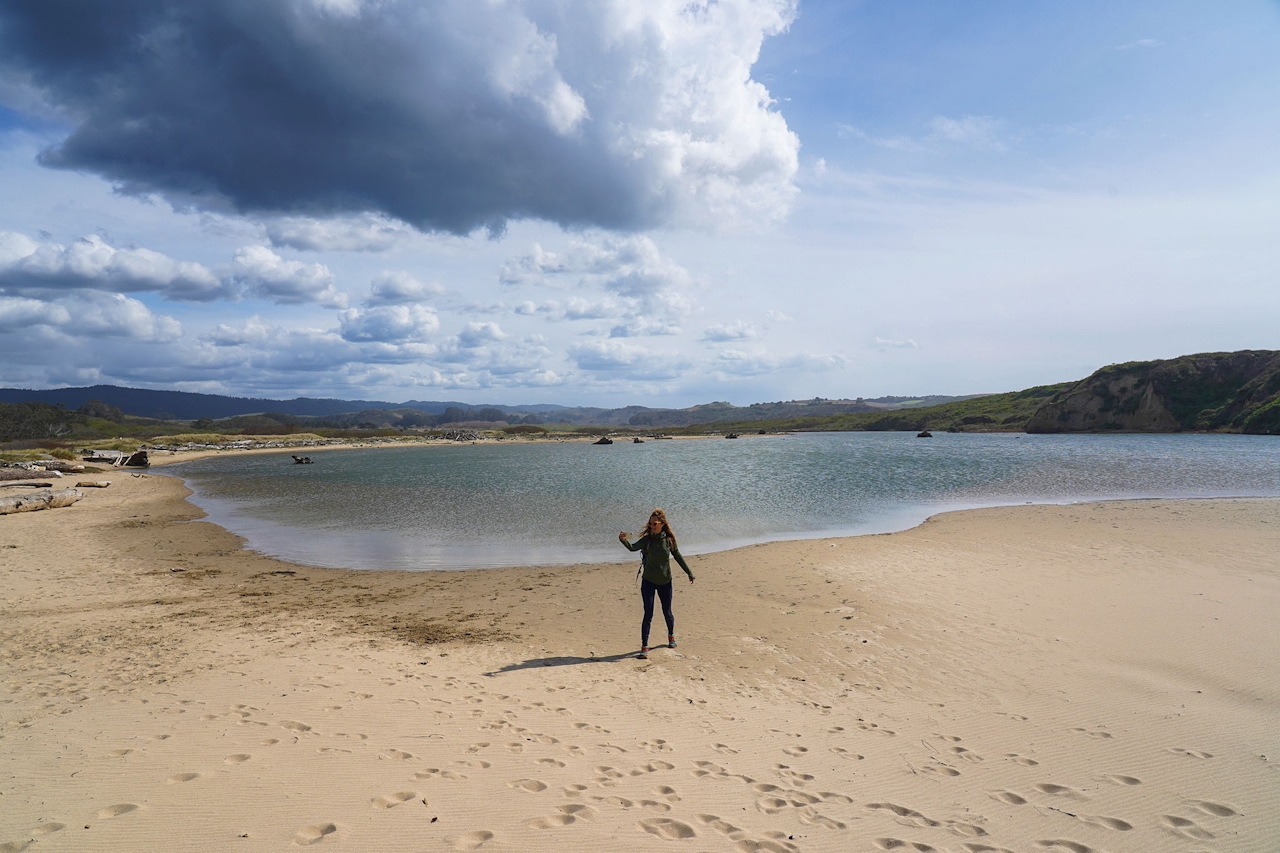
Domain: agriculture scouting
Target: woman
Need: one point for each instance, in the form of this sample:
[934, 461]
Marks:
[658, 545]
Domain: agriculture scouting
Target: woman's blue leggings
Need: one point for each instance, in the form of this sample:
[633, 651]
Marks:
[646, 595]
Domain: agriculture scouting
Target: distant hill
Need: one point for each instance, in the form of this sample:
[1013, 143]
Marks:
[188, 406]
[1212, 392]
[722, 412]
[985, 413]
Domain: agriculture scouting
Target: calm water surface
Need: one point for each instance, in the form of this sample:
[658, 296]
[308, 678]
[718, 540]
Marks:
[530, 504]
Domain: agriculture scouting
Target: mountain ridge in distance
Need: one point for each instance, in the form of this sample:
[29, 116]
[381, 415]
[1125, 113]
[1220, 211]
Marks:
[190, 406]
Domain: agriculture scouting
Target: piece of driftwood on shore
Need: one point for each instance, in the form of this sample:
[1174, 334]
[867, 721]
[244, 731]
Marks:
[93, 484]
[43, 499]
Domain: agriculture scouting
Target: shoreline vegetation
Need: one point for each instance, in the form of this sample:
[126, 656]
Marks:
[1071, 677]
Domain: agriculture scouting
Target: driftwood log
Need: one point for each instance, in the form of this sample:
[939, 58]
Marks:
[43, 499]
[93, 484]
[63, 466]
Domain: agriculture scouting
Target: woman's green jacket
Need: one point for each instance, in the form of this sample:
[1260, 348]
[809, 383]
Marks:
[657, 557]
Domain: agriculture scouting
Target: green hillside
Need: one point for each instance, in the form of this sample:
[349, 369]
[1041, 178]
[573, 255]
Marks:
[992, 413]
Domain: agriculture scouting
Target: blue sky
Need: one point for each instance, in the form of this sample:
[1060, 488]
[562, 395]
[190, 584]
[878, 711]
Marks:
[606, 204]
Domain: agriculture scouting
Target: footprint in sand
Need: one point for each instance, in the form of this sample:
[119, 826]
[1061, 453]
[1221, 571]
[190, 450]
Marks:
[941, 770]
[1022, 759]
[1185, 828]
[1109, 822]
[397, 754]
[668, 793]
[48, 828]
[1189, 753]
[119, 753]
[845, 753]
[721, 826]
[470, 840]
[874, 728]
[1094, 733]
[1118, 779]
[911, 815]
[771, 805]
[1009, 797]
[390, 801]
[1057, 790]
[657, 745]
[437, 773]
[574, 790]
[767, 845]
[797, 778]
[238, 758]
[551, 821]
[654, 806]
[117, 810]
[550, 762]
[620, 802]
[1066, 844]
[652, 767]
[795, 751]
[665, 827]
[1215, 809]
[724, 749]
[333, 750]
[986, 848]
[967, 755]
[812, 817]
[295, 726]
[533, 786]
[568, 814]
[515, 747]
[178, 778]
[270, 741]
[899, 844]
[15, 846]
[314, 834]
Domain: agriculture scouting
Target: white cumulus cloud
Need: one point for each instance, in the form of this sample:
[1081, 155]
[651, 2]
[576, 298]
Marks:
[265, 275]
[389, 323]
[91, 263]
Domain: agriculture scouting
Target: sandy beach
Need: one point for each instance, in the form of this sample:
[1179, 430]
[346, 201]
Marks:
[1069, 679]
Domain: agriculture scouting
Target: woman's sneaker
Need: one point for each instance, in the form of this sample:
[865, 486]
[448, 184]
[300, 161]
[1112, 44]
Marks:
[671, 641]
[644, 654]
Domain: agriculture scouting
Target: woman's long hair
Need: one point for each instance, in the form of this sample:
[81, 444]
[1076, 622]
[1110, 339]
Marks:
[666, 527]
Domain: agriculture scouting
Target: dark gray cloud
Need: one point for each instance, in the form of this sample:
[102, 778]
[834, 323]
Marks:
[449, 115]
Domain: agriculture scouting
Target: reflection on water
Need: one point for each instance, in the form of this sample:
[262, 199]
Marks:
[492, 505]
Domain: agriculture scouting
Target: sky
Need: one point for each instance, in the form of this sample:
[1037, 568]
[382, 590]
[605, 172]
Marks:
[607, 203]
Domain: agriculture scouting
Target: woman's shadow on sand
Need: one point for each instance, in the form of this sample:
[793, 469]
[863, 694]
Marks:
[564, 660]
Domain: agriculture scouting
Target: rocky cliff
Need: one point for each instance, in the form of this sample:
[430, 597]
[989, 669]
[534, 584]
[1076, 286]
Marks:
[1218, 392]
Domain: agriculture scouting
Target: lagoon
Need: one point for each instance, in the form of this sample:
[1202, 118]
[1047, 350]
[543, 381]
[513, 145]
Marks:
[543, 503]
